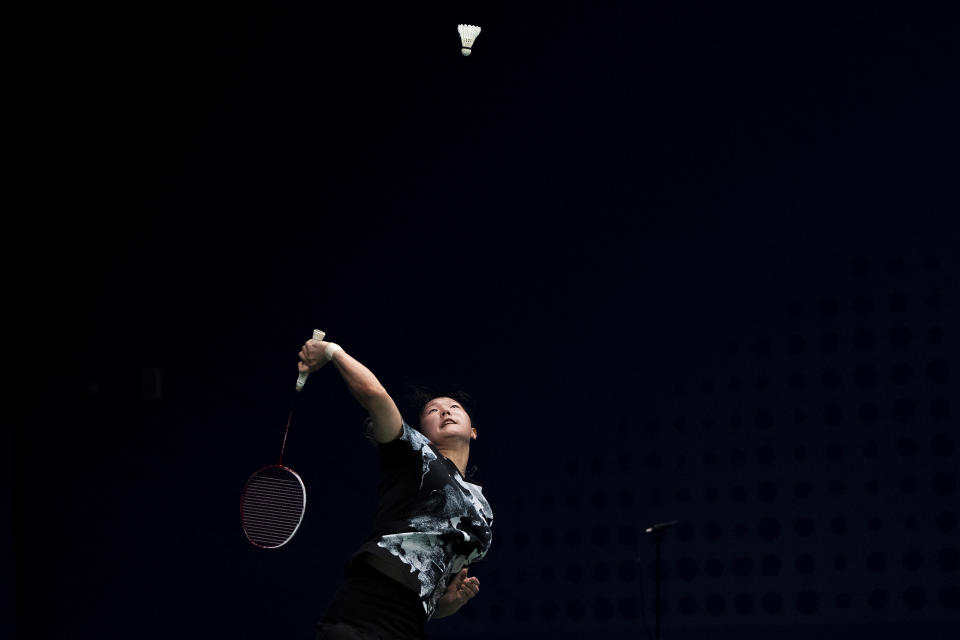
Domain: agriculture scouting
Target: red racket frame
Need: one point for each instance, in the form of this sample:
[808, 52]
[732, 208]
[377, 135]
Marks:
[303, 509]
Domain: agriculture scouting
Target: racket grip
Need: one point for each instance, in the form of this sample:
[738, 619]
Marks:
[302, 378]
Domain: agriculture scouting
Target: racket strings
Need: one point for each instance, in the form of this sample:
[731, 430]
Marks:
[272, 506]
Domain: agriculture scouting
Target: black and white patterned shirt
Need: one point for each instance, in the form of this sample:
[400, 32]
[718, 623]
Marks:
[430, 522]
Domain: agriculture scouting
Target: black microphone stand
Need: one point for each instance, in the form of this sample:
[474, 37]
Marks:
[657, 531]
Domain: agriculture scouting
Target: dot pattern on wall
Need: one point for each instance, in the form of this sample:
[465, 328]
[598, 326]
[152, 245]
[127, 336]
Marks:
[812, 467]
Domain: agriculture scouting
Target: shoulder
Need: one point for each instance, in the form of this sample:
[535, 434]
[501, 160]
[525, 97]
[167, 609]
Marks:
[408, 437]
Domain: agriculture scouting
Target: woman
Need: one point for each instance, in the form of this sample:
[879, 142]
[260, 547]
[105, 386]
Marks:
[430, 523]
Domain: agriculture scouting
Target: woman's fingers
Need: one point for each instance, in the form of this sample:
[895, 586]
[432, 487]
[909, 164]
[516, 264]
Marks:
[312, 356]
[312, 349]
[471, 587]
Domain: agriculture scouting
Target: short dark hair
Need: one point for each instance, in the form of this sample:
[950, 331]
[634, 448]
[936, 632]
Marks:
[418, 395]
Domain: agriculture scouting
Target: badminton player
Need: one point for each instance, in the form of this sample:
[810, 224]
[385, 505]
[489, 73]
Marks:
[430, 524]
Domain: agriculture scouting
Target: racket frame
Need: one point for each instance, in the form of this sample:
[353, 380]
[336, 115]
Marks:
[303, 509]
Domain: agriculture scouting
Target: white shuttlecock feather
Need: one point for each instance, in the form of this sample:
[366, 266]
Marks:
[468, 33]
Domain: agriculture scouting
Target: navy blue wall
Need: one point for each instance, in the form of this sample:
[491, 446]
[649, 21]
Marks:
[696, 263]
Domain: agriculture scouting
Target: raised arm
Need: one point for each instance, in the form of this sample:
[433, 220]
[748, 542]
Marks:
[363, 385]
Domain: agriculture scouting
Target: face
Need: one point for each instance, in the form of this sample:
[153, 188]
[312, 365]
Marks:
[444, 420]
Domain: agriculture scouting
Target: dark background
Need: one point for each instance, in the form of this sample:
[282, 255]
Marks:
[697, 261]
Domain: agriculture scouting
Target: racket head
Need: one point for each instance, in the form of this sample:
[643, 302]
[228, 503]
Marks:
[272, 506]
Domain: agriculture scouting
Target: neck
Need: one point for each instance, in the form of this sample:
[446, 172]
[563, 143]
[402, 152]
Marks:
[459, 457]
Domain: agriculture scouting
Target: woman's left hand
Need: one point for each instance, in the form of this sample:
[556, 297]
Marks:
[459, 591]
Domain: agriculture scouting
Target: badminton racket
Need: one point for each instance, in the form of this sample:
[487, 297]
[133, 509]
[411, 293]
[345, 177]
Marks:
[274, 498]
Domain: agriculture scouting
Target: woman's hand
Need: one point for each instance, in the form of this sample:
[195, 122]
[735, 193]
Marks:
[312, 356]
[460, 590]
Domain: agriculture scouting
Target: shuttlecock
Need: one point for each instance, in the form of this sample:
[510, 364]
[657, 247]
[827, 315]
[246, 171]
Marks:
[468, 33]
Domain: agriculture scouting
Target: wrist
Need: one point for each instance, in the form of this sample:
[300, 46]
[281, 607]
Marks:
[331, 350]
[445, 609]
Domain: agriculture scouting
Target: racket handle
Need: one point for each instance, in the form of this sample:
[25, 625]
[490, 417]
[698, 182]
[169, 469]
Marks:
[302, 378]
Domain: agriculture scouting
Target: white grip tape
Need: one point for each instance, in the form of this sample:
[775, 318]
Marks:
[302, 378]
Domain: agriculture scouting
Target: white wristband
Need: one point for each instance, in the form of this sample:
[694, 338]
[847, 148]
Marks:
[331, 349]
